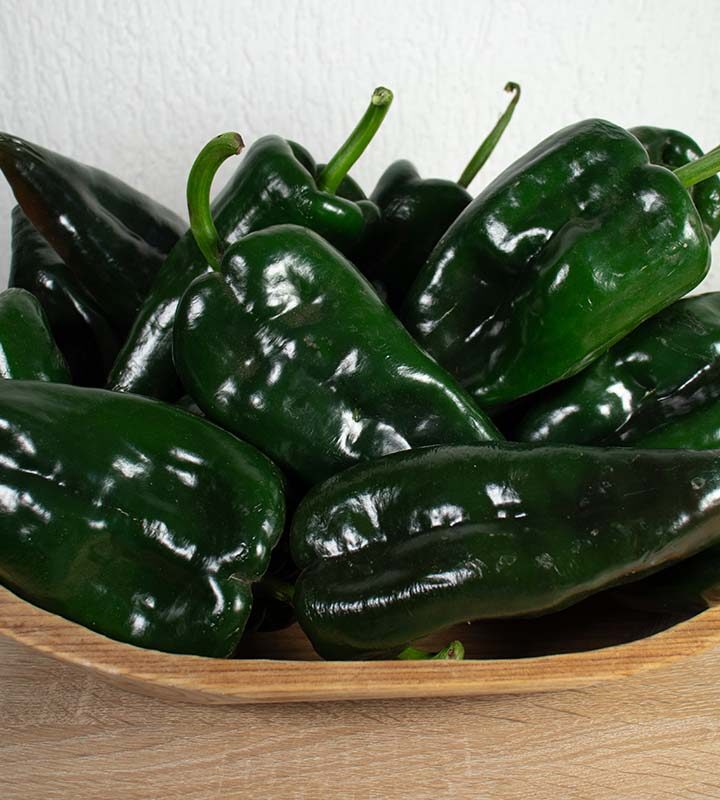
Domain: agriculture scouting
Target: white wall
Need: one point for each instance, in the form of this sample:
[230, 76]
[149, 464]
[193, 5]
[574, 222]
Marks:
[137, 87]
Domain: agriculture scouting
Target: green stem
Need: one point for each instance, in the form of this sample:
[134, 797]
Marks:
[339, 165]
[199, 182]
[486, 148]
[699, 170]
[277, 589]
[453, 652]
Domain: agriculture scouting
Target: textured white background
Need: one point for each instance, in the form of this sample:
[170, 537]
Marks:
[137, 87]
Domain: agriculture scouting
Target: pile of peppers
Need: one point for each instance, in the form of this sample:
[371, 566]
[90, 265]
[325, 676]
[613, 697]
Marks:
[377, 416]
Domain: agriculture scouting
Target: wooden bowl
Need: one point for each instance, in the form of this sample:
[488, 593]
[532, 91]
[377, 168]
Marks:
[594, 641]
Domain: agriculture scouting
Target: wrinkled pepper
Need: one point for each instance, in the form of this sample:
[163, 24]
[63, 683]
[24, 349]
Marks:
[151, 531]
[415, 213]
[566, 252]
[275, 183]
[85, 338]
[673, 149]
[289, 347]
[112, 237]
[663, 376]
[396, 549]
[27, 348]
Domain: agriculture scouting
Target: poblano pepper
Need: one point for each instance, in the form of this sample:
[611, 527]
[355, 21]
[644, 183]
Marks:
[674, 149]
[286, 344]
[415, 213]
[664, 375]
[275, 183]
[402, 547]
[289, 347]
[112, 237]
[27, 348]
[82, 333]
[694, 584]
[151, 531]
[566, 252]
[697, 429]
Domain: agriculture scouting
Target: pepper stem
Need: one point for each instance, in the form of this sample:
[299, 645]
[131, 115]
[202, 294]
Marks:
[704, 167]
[453, 652]
[199, 182]
[485, 150]
[339, 165]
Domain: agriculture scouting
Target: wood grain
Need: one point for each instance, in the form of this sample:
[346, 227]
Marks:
[280, 679]
[67, 734]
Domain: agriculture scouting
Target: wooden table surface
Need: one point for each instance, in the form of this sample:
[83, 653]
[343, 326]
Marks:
[66, 734]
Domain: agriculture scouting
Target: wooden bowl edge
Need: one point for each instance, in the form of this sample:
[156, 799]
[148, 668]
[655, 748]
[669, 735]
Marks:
[215, 681]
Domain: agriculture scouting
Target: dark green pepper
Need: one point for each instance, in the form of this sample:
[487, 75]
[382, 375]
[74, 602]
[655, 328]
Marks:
[694, 584]
[112, 237]
[27, 348]
[288, 346]
[405, 546]
[272, 185]
[415, 213]
[697, 429]
[82, 333]
[566, 252]
[673, 149]
[664, 373]
[151, 530]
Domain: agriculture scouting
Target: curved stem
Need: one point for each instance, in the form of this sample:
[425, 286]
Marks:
[199, 182]
[699, 170]
[339, 165]
[486, 148]
[453, 652]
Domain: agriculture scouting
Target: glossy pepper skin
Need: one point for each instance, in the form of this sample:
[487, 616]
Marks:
[112, 237]
[415, 213]
[662, 374]
[270, 186]
[27, 348]
[84, 336]
[150, 531]
[698, 429]
[566, 252]
[289, 347]
[417, 541]
[674, 149]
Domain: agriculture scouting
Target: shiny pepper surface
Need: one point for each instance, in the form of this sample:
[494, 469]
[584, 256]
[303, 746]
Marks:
[27, 348]
[289, 347]
[396, 549]
[271, 186]
[150, 530]
[112, 237]
[674, 149]
[566, 252]
[698, 429]
[664, 375]
[85, 338]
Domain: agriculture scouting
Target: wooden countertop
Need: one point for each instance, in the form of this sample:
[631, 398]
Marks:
[66, 734]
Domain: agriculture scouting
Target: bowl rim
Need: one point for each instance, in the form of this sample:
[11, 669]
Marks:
[222, 681]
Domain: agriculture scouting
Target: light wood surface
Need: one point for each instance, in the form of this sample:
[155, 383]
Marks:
[283, 679]
[68, 734]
